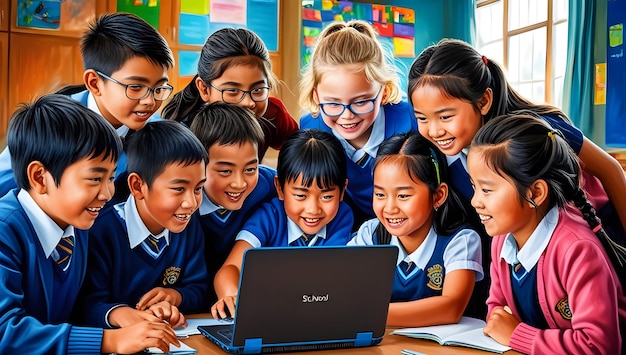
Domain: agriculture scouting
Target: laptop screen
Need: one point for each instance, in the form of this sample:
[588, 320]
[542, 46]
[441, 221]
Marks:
[316, 294]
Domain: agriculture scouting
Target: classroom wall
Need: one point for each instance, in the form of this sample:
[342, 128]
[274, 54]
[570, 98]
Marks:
[435, 20]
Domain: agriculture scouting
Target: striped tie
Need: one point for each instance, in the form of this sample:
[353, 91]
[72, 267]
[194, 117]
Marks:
[364, 159]
[65, 249]
[305, 241]
[156, 244]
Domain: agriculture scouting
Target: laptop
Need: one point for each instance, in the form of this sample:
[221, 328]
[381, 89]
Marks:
[299, 298]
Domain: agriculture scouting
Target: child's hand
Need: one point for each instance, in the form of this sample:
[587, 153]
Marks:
[168, 313]
[224, 307]
[126, 316]
[500, 325]
[157, 295]
[138, 337]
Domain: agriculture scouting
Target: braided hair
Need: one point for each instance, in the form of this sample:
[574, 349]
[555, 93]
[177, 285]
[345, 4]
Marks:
[526, 148]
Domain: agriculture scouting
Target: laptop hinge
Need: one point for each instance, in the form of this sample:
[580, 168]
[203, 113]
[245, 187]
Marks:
[363, 339]
[252, 346]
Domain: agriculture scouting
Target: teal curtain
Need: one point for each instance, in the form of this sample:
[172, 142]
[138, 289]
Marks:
[460, 20]
[579, 73]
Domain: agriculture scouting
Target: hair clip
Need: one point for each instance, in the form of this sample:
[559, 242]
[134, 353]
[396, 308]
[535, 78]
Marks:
[551, 135]
[433, 157]
[485, 60]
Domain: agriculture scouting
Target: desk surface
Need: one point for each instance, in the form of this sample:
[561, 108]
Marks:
[391, 344]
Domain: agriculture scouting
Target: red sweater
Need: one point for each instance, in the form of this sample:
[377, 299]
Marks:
[277, 125]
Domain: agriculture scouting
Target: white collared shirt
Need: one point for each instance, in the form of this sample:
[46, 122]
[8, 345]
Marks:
[377, 136]
[462, 253]
[294, 232]
[530, 253]
[460, 155]
[48, 232]
[137, 230]
[207, 206]
[122, 131]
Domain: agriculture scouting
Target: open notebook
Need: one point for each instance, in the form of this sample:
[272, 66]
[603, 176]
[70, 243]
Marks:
[301, 298]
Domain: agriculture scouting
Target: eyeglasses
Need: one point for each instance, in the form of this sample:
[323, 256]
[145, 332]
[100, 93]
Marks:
[140, 91]
[235, 96]
[334, 109]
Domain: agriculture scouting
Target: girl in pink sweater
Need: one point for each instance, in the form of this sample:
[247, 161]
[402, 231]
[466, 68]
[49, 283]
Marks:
[554, 287]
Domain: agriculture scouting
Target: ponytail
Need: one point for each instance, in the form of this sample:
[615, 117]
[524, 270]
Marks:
[616, 252]
[184, 105]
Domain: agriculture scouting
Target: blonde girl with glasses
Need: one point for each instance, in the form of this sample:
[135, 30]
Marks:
[439, 255]
[348, 80]
[234, 67]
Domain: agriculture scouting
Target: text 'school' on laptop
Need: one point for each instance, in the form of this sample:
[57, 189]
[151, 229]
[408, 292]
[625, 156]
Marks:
[293, 299]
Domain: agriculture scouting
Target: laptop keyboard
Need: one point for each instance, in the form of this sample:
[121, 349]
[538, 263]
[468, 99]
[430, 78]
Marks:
[226, 334]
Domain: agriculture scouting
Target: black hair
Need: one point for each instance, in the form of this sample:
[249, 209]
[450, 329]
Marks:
[226, 124]
[161, 143]
[57, 131]
[313, 155]
[223, 49]
[461, 72]
[525, 149]
[423, 162]
[114, 38]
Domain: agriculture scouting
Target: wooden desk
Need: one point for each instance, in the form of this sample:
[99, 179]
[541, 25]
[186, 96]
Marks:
[391, 344]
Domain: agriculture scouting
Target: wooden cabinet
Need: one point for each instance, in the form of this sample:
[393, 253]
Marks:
[4, 85]
[36, 60]
[41, 64]
[4, 15]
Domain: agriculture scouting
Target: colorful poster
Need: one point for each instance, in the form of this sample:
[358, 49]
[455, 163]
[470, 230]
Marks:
[39, 14]
[148, 10]
[228, 11]
[599, 97]
[395, 25]
[198, 7]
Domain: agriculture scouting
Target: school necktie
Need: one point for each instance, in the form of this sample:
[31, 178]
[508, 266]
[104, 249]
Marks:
[518, 271]
[303, 241]
[65, 248]
[406, 267]
[156, 245]
[461, 180]
[364, 159]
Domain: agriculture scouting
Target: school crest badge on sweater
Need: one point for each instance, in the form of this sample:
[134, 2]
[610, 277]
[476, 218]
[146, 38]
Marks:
[170, 276]
[563, 308]
[435, 277]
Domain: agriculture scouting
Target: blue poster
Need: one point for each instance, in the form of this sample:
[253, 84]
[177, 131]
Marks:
[616, 75]
[39, 14]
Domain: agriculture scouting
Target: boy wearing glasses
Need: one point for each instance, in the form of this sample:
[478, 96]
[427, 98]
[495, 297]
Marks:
[126, 62]
[355, 91]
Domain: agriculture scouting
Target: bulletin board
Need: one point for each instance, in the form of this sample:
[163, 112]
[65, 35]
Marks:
[200, 18]
[395, 25]
[615, 76]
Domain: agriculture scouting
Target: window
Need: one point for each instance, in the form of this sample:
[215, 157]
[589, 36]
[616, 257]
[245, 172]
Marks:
[529, 39]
